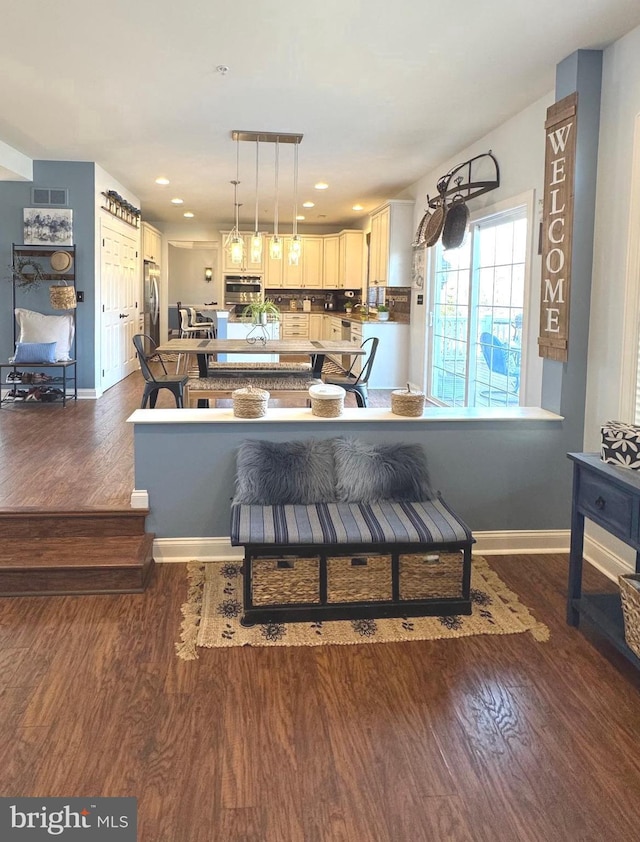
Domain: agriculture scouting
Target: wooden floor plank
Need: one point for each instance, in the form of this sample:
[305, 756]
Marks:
[481, 739]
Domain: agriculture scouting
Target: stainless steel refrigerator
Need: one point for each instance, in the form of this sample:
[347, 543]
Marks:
[151, 301]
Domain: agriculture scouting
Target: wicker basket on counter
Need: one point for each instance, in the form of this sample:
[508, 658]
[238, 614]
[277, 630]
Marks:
[250, 402]
[327, 401]
[407, 402]
[630, 598]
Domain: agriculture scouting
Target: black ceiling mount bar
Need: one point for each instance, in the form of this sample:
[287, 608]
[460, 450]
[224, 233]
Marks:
[464, 185]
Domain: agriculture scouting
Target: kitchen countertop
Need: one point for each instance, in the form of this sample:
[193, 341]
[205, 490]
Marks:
[336, 314]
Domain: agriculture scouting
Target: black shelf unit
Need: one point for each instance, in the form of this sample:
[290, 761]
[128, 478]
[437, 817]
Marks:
[35, 259]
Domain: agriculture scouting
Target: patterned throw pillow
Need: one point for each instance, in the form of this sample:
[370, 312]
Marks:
[35, 352]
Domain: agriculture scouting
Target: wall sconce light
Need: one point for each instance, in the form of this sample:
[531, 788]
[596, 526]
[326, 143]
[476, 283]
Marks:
[208, 274]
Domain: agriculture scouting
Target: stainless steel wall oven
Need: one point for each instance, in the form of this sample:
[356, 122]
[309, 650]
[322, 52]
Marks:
[242, 289]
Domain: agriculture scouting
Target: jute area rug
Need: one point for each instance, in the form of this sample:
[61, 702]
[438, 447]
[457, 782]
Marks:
[213, 610]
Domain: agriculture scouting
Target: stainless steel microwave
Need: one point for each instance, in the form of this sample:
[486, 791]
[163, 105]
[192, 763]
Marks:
[242, 289]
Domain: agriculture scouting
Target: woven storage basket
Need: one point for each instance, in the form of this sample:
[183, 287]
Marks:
[408, 403]
[327, 401]
[630, 598]
[361, 578]
[282, 580]
[430, 575]
[250, 402]
[62, 297]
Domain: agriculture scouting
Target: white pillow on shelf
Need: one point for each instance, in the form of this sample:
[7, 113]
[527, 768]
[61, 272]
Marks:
[36, 327]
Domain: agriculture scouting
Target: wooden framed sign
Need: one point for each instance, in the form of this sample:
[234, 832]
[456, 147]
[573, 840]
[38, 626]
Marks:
[557, 228]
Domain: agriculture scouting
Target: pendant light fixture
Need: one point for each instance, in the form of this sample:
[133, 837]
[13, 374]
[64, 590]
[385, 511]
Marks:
[256, 240]
[275, 246]
[295, 248]
[234, 242]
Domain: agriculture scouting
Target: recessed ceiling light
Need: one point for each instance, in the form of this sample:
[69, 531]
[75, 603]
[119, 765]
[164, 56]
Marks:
[299, 216]
[189, 215]
[308, 204]
[321, 185]
[177, 201]
[357, 208]
[162, 180]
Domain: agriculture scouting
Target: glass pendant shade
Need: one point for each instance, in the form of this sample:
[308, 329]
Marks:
[275, 248]
[256, 248]
[294, 251]
[236, 248]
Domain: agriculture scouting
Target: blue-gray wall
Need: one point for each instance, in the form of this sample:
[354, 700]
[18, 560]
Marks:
[79, 179]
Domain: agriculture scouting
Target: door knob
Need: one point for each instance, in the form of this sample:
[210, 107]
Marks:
[123, 315]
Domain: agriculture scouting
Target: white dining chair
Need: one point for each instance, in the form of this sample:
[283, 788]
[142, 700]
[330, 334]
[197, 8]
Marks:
[205, 327]
[186, 332]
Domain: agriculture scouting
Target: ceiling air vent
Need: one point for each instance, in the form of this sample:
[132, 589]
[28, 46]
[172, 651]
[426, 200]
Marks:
[49, 196]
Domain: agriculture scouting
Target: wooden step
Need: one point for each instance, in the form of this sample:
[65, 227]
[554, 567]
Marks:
[89, 522]
[47, 552]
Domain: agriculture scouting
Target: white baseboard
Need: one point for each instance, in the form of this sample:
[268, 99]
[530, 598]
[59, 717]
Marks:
[166, 550]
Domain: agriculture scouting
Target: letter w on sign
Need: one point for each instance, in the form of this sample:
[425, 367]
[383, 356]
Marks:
[557, 228]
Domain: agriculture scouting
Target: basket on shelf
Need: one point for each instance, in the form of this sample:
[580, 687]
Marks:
[327, 401]
[630, 598]
[62, 297]
[250, 402]
[407, 403]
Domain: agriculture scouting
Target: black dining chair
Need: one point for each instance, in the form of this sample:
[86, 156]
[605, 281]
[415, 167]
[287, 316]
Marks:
[353, 382]
[154, 382]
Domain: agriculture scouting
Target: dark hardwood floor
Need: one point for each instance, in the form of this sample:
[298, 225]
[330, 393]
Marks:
[485, 739]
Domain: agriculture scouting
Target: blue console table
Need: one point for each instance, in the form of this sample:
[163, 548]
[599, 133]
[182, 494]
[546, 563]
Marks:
[610, 497]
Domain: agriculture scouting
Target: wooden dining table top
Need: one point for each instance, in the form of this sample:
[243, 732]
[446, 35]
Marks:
[272, 346]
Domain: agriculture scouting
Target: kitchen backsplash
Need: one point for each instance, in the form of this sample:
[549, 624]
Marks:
[397, 299]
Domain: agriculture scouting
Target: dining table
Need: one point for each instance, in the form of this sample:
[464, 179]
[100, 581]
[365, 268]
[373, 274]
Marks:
[316, 349]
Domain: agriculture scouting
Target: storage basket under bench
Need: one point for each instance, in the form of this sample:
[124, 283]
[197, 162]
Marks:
[331, 561]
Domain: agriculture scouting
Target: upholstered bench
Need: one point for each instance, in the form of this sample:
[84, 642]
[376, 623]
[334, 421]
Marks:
[277, 383]
[346, 559]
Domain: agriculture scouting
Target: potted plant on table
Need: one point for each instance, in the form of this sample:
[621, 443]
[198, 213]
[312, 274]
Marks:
[383, 313]
[261, 312]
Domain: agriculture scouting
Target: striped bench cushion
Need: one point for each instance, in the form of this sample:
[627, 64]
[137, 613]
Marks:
[429, 522]
[294, 382]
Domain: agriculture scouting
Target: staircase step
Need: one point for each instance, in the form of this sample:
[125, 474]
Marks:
[89, 522]
[48, 566]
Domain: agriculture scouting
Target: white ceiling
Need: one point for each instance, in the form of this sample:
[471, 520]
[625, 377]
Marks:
[382, 90]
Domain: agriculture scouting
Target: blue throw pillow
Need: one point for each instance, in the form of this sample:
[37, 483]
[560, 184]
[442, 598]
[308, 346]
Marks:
[35, 352]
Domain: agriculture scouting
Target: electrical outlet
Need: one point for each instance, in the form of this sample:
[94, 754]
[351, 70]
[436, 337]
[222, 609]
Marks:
[79, 296]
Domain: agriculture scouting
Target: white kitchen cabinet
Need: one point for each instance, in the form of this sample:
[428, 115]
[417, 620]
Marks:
[311, 260]
[295, 325]
[351, 259]
[391, 365]
[331, 261]
[151, 243]
[316, 321]
[390, 249]
[247, 264]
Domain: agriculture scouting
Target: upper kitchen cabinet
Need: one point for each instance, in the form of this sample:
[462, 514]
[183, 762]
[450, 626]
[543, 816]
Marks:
[151, 243]
[311, 260]
[331, 261]
[351, 254]
[247, 265]
[343, 260]
[390, 244]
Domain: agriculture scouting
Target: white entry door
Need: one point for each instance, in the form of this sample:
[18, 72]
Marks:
[119, 305]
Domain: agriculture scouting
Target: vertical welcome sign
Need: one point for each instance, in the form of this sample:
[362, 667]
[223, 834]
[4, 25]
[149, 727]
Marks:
[557, 228]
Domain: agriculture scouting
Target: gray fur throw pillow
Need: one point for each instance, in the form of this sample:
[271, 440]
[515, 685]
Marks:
[366, 473]
[297, 472]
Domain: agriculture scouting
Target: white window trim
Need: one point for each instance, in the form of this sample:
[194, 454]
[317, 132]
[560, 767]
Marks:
[530, 323]
[630, 334]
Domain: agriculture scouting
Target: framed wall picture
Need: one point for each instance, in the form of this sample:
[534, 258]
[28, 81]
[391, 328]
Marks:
[48, 227]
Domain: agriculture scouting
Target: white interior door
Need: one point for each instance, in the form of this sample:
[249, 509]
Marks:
[119, 306]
